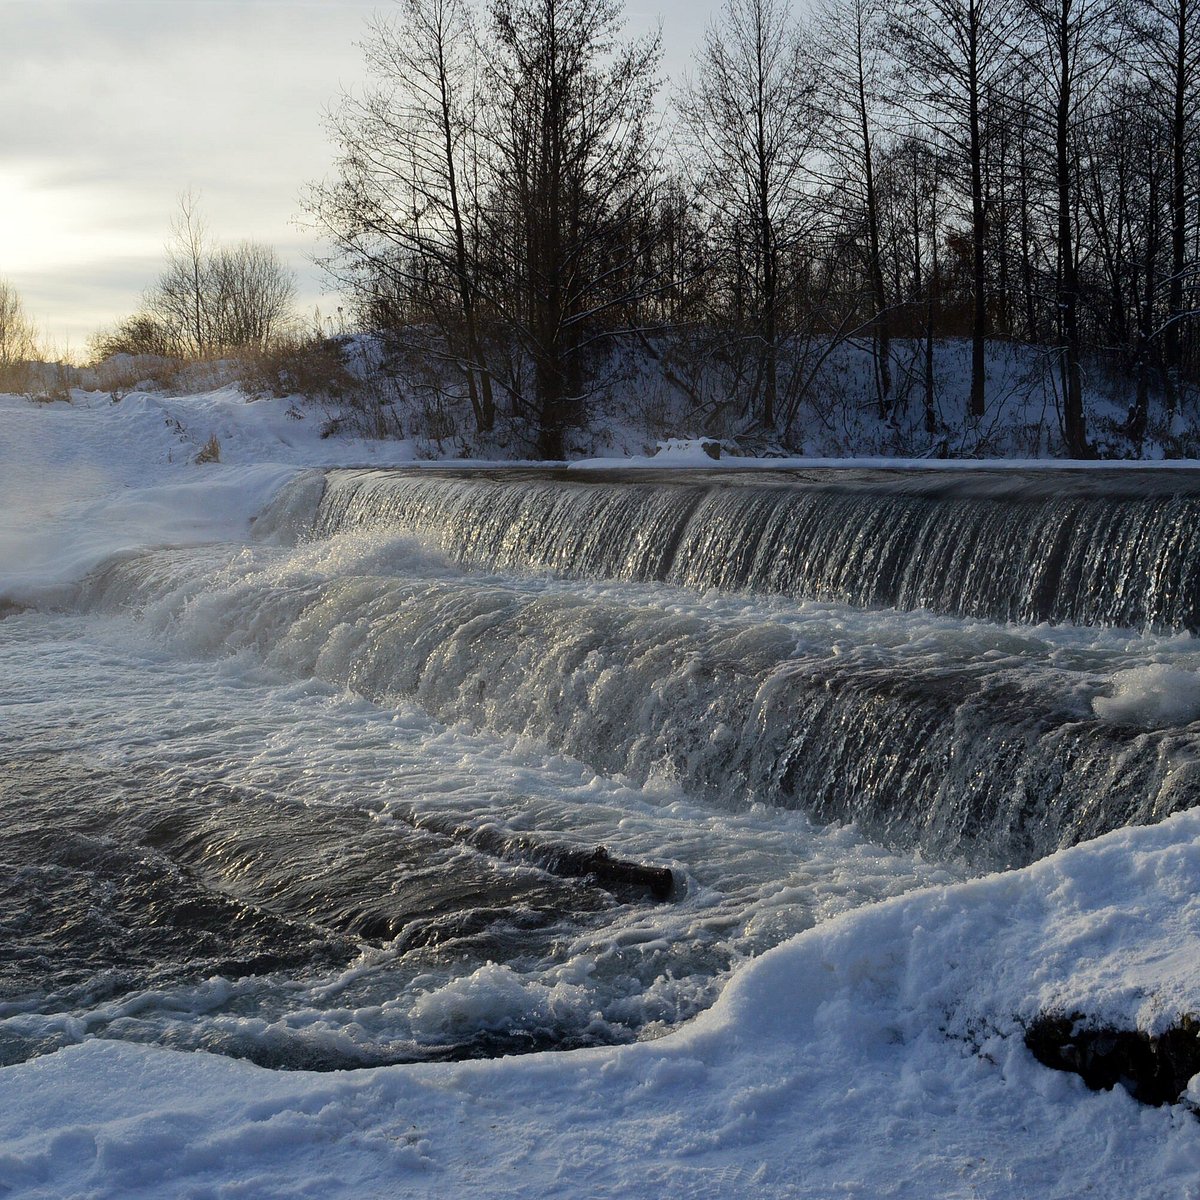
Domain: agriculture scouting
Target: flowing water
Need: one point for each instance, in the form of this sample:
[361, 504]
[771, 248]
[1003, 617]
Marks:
[401, 777]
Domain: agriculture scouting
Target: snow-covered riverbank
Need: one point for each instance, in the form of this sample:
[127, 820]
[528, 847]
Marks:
[878, 1053]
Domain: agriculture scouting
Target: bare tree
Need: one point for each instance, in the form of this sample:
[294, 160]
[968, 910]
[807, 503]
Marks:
[495, 181]
[403, 213]
[248, 296]
[571, 165]
[1166, 52]
[18, 339]
[1070, 59]
[140, 334]
[211, 298]
[954, 54]
[849, 60]
[896, 169]
[178, 296]
[751, 122]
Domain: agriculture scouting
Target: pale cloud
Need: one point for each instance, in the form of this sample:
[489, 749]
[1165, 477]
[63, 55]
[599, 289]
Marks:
[114, 107]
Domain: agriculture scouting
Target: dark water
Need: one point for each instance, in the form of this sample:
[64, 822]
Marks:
[112, 886]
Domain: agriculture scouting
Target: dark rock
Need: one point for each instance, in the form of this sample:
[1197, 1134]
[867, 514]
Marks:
[613, 874]
[1154, 1070]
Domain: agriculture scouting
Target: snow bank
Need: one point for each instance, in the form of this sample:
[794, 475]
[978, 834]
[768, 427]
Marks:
[878, 1054]
[681, 453]
[81, 482]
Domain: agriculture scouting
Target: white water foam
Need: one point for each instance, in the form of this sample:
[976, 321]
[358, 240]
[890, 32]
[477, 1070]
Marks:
[1155, 696]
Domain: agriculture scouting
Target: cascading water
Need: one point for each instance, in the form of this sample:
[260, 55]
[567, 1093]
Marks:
[1001, 546]
[356, 811]
[971, 750]
[966, 740]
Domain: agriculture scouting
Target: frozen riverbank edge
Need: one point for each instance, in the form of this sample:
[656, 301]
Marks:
[879, 1054]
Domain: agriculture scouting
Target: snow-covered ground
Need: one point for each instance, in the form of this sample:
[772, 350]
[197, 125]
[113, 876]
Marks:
[82, 481]
[878, 1053]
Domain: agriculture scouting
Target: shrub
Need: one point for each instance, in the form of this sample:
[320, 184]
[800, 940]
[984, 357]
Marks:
[139, 336]
[308, 365]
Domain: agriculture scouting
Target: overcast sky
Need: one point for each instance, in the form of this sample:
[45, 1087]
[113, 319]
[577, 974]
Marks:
[112, 108]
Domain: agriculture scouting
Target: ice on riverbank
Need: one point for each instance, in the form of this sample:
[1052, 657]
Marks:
[879, 1054]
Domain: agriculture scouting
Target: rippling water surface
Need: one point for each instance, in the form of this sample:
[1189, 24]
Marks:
[326, 801]
[204, 854]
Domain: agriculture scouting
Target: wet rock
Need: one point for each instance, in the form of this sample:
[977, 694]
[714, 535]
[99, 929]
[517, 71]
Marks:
[1154, 1070]
[613, 874]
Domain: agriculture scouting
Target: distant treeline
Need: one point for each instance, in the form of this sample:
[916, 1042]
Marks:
[509, 193]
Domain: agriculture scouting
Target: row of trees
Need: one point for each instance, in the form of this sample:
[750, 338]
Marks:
[890, 171]
[498, 187]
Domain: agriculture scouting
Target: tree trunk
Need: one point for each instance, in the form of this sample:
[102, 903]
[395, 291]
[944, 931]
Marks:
[1074, 427]
[1173, 342]
[1139, 412]
[930, 324]
[883, 338]
[978, 221]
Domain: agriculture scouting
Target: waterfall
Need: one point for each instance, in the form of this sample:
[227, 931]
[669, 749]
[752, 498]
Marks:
[963, 738]
[1124, 553]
